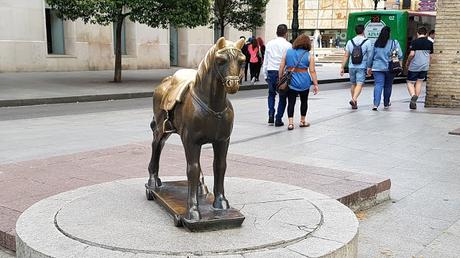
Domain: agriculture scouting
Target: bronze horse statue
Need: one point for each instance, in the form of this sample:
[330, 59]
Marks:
[194, 104]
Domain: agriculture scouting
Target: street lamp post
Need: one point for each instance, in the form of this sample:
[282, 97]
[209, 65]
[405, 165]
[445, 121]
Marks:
[295, 19]
[376, 2]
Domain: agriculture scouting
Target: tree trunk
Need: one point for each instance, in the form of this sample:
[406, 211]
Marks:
[119, 27]
[222, 29]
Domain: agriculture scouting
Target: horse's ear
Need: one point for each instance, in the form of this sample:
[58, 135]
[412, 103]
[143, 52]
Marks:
[240, 43]
[221, 43]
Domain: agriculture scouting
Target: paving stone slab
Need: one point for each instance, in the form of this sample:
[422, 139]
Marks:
[62, 173]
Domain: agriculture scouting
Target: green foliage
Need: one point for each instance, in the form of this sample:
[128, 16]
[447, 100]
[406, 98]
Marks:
[154, 13]
[241, 14]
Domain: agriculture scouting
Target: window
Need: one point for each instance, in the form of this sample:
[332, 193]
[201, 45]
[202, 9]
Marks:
[123, 38]
[54, 32]
[406, 4]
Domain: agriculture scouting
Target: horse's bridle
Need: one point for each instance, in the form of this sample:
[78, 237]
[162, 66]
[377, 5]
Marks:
[226, 79]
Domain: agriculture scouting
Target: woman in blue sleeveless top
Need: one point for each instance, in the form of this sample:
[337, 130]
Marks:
[302, 64]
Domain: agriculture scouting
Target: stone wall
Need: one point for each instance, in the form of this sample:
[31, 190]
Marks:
[23, 43]
[443, 87]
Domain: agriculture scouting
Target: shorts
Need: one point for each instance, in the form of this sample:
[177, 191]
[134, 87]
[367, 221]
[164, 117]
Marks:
[357, 75]
[416, 76]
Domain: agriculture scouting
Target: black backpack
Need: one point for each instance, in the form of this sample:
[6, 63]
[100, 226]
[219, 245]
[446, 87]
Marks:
[357, 54]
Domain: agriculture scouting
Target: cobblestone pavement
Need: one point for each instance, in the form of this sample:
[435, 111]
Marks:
[413, 148]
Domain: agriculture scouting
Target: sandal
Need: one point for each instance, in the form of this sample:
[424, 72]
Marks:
[291, 127]
[304, 124]
[353, 104]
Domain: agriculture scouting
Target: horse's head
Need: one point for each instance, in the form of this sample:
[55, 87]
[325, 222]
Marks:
[228, 62]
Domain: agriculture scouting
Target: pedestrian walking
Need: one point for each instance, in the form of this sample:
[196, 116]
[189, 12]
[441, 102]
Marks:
[253, 49]
[431, 35]
[337, 42]
[274, 52]
[260, 56]
[301, 63]
[385, 51]
[244, 63]
[245, 52]
[357, 52]
[418, 64]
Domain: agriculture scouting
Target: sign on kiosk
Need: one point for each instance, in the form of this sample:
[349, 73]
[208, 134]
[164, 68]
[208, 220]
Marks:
[373, 28]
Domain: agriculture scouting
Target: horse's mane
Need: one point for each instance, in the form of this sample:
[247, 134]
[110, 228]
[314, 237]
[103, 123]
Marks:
[206, 63]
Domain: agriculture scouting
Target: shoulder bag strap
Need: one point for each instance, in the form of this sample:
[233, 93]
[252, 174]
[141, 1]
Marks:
[301, 57]
[392, 47]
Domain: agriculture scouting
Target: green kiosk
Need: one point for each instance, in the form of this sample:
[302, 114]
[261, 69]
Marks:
[403, 24]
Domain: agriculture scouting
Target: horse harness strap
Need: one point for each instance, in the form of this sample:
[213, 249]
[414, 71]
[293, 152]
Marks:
[218, 115]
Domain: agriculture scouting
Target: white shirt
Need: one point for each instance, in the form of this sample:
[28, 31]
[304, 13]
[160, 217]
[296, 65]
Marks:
[274, 51]
[431, 39]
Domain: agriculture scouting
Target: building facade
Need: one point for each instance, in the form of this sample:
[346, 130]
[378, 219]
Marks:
[33, 38]
[443, 87]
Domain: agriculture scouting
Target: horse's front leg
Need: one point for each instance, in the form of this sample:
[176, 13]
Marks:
[192, 154]
[220, 165]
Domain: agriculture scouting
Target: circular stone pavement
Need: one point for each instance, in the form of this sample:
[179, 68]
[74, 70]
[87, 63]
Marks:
[115, 220]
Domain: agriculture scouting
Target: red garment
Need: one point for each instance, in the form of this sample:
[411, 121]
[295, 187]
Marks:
[254, 53]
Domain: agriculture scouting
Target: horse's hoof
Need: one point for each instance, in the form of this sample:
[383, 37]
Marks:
[203, 190]
[221, 203]
[154, 182]
[193, 214]
[149, 195]
[158, 182]
[177, 220]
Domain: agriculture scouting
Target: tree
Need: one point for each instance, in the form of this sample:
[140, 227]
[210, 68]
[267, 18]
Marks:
[241, 14]
[154, 13]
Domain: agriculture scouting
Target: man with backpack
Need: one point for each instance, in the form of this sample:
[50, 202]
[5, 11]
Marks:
[356, 54]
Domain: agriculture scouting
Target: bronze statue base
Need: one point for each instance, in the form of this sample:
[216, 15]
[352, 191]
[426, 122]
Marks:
[173, 197]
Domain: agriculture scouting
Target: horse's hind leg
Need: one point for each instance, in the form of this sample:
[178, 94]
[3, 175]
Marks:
[159, 139]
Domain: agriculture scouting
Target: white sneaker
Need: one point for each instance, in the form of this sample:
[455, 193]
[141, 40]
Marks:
[253, 80]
